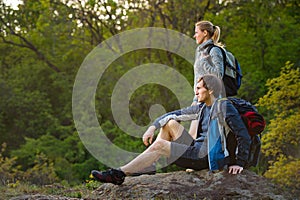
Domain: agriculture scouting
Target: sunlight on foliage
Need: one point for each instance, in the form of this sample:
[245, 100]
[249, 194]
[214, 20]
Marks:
[280, 144]
[8, 172]
[283, 92]
[286, 172]
[43, 44]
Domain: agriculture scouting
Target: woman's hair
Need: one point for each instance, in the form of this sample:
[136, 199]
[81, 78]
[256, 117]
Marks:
[213, 83]
[213, 31]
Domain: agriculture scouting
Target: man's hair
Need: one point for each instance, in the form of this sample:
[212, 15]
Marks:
[213, 83]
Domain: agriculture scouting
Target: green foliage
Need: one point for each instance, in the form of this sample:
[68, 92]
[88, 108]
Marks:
[42, 172]
[68, 158]
[285, 172]
[8, 170]
[257, 32]
[44, 42]
[81, 191]
[121, 139]
[283, 92]
[92, 184]
[281, 141]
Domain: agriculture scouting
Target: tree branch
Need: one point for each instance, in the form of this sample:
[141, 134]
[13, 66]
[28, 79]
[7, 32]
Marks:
[28, 45]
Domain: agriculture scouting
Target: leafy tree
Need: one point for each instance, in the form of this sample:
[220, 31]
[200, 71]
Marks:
[36, 91]
[44, 42]
[68, 158]
[281, 141]
[262, 36]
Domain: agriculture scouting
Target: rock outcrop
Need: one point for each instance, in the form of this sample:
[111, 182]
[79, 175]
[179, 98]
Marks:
[183, 185]
[194, 185]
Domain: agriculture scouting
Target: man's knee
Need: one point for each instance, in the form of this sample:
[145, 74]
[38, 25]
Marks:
[158, 146]
[172, 124]
[174, 129]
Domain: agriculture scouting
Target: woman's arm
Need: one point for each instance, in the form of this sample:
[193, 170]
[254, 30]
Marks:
[214, 63]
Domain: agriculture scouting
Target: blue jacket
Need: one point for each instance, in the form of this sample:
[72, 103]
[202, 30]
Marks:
[223, 118]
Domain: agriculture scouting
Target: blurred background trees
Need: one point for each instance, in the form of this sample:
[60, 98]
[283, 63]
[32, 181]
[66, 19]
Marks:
[43, 44]
[281, 141]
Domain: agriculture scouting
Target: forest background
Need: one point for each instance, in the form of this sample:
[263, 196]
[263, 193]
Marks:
[43, 44]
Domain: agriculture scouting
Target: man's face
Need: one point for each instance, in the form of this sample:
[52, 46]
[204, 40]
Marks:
[199, 35]
[202, 93]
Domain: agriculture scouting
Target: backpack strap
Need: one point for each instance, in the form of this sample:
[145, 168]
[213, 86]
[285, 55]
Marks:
[221, 116]
[225, 63]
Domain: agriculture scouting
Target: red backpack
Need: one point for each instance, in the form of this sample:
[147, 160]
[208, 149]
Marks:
[255, 124]
[254, 121]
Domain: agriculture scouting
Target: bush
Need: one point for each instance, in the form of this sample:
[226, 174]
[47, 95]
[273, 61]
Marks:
[42, 173]
[280, 143]
[8, 172]
[286, 173]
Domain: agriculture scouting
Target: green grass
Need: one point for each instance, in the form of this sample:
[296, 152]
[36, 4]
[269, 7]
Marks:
[84, 190]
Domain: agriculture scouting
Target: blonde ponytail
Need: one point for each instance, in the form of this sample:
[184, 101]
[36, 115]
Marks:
[213, 31]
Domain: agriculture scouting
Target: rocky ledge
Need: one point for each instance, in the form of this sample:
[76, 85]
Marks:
[184, 185]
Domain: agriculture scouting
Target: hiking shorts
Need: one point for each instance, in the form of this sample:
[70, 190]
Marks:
[185, 153]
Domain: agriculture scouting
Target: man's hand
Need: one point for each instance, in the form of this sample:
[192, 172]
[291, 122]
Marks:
[148, 135]
[235, 169]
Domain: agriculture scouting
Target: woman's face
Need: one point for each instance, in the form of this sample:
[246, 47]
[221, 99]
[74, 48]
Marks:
[200, 36]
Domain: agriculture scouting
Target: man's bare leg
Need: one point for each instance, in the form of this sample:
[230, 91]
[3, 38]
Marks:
[193, 127]
[161, 147]
[171, 131]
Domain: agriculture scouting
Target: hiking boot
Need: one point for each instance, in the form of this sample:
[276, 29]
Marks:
[113, 176]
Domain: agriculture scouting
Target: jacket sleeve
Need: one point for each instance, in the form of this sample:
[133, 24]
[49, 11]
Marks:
[211, 64]
[185, 114]
[214, 63]
[237, 126]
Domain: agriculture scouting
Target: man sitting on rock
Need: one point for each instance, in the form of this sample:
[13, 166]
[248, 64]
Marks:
[207, 149]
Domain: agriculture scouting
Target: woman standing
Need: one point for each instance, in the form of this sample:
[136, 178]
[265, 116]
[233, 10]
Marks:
[206, 35]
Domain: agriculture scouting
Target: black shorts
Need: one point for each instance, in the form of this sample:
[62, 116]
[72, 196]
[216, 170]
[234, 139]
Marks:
[185, 152]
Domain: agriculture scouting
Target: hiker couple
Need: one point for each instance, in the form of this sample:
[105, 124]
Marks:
[205, 146]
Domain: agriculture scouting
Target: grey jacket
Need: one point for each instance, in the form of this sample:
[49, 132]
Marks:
[211, 64]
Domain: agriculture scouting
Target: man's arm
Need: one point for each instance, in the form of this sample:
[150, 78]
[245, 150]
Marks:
[185, 114]
[235, 123]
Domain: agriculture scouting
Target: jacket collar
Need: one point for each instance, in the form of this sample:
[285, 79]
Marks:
[205, 44]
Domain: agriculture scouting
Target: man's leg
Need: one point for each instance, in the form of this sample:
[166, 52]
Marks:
[171, 131]
[193, 127]
[150, 155]
[161, 147]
